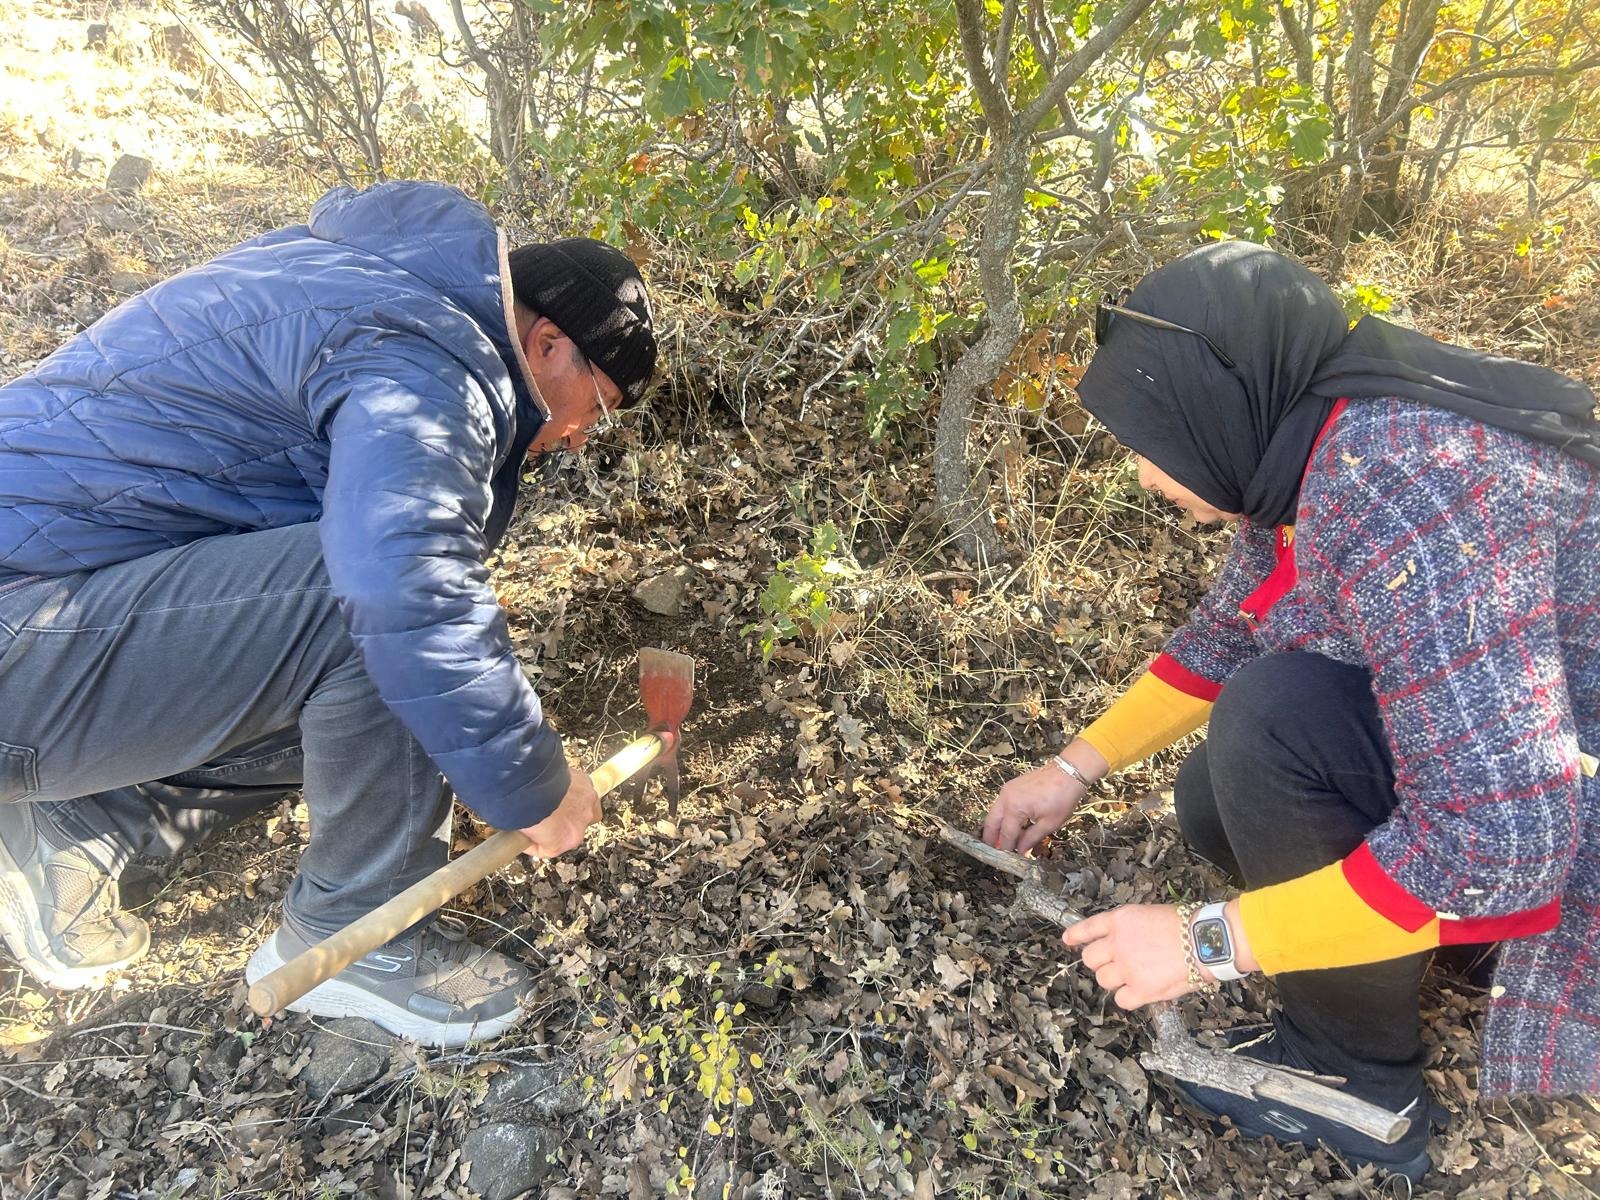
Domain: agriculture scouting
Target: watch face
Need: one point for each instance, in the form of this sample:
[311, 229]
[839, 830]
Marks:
[1211, 941]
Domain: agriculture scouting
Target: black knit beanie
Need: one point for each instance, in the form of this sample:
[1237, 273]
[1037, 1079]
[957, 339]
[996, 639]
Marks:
[596, 296]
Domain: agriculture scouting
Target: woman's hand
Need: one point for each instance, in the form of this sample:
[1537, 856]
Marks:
[1033, 806]
[563, 829]
[1135, 953]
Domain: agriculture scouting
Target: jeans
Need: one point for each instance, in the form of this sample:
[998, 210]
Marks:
[1295, 771]
[149, 703]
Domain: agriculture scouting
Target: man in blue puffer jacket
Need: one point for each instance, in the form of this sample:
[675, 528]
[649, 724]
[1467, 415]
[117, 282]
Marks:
[243, 524]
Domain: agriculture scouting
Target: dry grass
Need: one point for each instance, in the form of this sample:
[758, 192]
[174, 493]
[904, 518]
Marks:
[70, 249]
[1478, 270]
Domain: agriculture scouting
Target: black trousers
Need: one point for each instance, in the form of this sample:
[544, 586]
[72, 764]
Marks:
[1293, 774]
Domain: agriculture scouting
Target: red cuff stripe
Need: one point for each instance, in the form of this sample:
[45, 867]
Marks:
[1382, 894]
[1174, 674]
[1387, 898]
[1495, 929]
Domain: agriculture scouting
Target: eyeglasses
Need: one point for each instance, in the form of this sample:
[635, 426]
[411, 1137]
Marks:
[603, 422]
[1110, 306]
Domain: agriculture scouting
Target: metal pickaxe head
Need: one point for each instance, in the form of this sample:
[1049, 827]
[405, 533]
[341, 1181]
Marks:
[666, 688]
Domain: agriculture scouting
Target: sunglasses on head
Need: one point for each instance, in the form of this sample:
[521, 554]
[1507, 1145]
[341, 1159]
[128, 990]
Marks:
[1113, 306]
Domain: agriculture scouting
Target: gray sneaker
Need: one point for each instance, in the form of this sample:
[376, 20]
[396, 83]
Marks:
[59, 911]
[432, 985]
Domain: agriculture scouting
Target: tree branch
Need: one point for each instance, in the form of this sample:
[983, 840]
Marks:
[1002, 41]
[1300, 43]
[1084, 57]
[992, 97]
[1467, 82]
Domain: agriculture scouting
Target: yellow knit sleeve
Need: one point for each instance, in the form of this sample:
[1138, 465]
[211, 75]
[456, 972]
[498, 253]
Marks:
[1318, 920]
[1149, 716]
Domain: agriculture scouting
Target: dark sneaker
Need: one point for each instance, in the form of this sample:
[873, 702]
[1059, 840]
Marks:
[433, 985]
[1266, 1118]
[59, 911]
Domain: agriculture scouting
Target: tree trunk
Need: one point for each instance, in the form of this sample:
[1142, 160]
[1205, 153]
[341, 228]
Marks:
[963, 493]
[1359, 69]
[1419, 18]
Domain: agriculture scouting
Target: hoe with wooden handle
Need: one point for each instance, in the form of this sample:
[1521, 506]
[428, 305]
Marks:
[666, 688]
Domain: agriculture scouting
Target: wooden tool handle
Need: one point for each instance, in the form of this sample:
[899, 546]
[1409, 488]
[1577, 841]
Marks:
[392, 918]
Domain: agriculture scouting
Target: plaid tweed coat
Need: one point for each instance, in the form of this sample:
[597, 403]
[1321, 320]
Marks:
[1460, 564]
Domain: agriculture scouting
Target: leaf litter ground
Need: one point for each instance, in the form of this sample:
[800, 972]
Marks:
[793, 989]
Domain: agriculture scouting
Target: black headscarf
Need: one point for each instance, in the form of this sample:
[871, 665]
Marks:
[1239, 437]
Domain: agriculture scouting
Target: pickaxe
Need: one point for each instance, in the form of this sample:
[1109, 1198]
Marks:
[666, 688]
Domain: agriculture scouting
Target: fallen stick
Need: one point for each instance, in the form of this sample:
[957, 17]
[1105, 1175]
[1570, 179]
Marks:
[1175, 1052]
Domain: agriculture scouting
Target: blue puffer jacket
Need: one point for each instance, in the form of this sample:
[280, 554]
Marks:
[359, 371]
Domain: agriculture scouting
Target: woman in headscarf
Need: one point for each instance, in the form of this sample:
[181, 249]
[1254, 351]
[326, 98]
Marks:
[1400, 665]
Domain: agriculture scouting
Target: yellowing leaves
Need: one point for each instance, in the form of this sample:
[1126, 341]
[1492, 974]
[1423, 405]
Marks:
[1036, 369]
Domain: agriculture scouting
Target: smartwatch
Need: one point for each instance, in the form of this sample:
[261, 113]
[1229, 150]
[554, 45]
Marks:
[1213, 945]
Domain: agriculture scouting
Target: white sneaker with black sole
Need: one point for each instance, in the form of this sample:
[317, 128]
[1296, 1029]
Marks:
[59, 910]
[432, 985]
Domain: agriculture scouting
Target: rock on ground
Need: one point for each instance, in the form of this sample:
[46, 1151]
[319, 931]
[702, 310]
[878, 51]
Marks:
[537, 1089]
[506, 1159]
[663, 594]
[346, 1055]
[128, 174]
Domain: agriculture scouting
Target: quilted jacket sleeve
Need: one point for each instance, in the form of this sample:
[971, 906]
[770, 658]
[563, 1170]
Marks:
[415, 436]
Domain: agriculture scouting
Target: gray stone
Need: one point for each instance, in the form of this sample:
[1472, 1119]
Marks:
[346, 1055]
[664, 594]
[85, 311]
[179, 1072]
[115, 1124]
[506, 1159]
[224, 1058]
[128, 174]
[536, 1089]
[712, 1181]
[95, 37]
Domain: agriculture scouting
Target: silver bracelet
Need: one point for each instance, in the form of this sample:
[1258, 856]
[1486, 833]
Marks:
[1072, 772]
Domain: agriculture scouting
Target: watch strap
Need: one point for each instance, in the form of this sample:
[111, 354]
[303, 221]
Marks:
[1225, 971]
